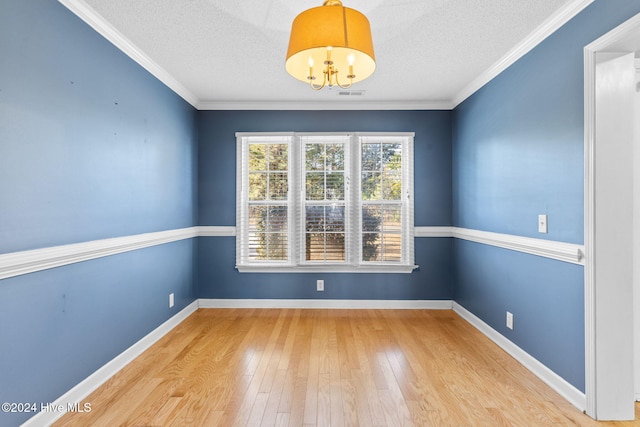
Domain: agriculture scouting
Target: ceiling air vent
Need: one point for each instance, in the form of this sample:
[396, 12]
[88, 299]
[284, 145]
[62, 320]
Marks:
[350, 92]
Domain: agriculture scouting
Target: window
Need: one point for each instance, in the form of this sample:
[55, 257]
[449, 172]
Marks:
[325, 202]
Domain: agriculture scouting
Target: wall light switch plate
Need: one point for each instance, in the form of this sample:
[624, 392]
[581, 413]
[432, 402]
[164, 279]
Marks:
[320, 285]
[542, 224]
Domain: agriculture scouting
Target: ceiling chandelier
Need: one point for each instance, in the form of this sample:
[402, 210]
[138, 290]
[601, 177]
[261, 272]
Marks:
[329, 42]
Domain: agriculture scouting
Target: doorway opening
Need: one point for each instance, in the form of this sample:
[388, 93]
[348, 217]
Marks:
[610, 223]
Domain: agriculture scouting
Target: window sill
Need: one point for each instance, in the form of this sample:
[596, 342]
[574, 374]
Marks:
[374, 268]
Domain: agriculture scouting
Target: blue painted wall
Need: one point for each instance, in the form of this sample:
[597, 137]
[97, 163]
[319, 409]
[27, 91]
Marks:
[518, 152]
[546, 297]
[91, 146]
[217, 277]
[61, 325]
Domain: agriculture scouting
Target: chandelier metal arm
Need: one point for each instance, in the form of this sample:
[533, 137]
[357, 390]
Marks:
[317, 87]
[330, 76]
[345, 86]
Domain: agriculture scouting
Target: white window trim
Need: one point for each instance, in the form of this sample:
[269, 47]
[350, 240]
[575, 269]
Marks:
[296, 262]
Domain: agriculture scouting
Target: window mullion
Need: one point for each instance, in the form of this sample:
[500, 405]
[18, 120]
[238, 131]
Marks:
[301, 202]
[407, 202]
[241, 198]
[294, 210]
[354, 225]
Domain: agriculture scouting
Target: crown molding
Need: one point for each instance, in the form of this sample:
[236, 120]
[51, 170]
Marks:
[324, 105]
[548, 27]
[106, 30]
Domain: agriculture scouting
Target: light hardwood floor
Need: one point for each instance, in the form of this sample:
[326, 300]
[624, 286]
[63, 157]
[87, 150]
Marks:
[266, 367]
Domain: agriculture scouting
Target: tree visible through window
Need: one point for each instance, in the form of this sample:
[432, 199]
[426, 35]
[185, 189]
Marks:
[325, 203]
[325, 200]
[381, 200]
[268, 201]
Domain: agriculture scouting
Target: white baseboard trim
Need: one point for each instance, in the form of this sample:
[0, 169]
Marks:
[327, 303]
[553, 380]
[78, 393]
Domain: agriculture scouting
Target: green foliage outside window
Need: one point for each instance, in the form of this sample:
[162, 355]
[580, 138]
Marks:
[381, 181]
[324, 172]
[268, 188]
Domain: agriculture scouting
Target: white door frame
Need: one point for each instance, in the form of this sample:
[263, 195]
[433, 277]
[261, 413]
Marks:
[636, 235]
[613, 40]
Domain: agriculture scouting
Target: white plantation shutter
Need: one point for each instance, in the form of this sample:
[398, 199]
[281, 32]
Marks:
[325, 202]
[385, 202]
[264, 210]
[324, 198]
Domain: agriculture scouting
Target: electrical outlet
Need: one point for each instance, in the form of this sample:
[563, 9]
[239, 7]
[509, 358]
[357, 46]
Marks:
[171, 300]
[320, 285]
[542, 224]
[509, 320]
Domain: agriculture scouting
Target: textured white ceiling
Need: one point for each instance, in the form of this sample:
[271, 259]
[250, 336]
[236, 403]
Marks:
[225, 53]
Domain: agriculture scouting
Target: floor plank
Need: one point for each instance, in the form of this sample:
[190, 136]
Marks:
[294, 367]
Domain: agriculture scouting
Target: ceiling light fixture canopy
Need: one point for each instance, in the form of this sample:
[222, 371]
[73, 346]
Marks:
[327, 39]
